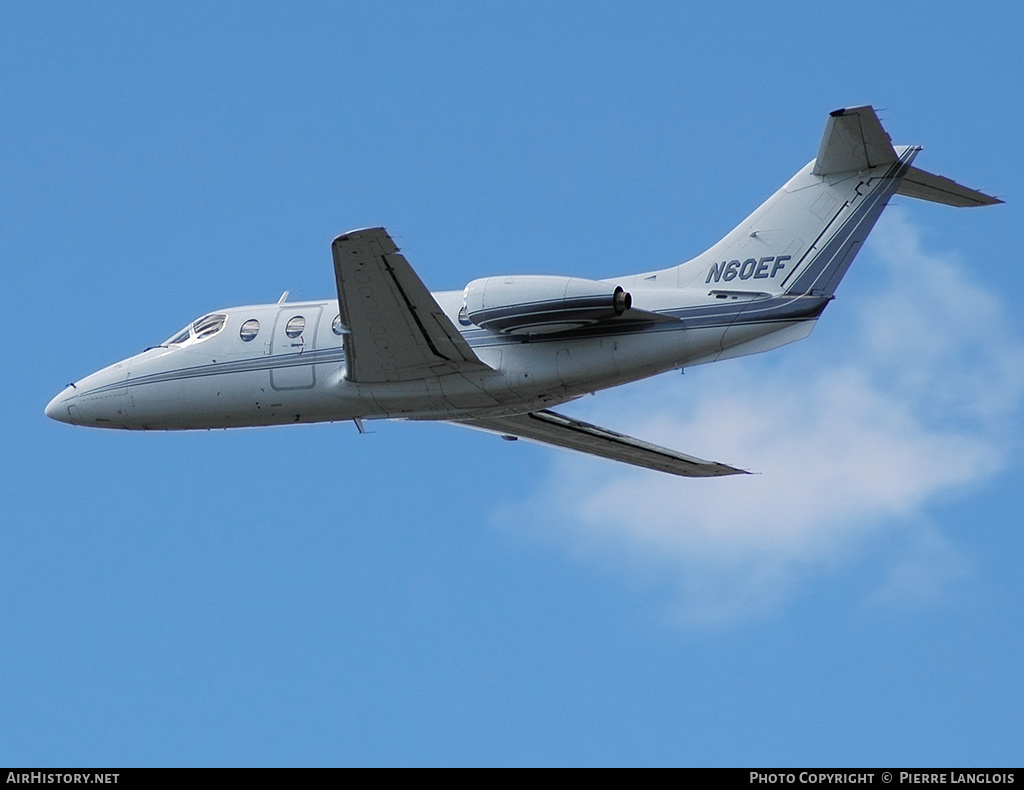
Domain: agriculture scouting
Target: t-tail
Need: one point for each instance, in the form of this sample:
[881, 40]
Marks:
[802, 240]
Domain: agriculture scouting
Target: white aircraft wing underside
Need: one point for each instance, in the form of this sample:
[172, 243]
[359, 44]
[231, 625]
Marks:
[395, 330]
[547, 427]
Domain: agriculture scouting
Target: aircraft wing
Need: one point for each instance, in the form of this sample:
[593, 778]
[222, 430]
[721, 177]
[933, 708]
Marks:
[396, 331]
[547, 427]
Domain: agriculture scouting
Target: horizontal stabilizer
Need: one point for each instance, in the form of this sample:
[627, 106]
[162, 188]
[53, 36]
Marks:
[854, 140]
[547, 427]
[921, 184]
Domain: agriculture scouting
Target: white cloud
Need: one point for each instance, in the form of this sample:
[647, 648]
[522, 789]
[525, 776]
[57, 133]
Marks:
[851, 431]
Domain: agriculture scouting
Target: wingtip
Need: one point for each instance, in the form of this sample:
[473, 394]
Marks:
[355, 233]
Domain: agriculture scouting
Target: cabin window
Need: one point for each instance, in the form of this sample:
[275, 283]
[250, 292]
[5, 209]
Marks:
[249, 330]
[295, 326]
[337, 327]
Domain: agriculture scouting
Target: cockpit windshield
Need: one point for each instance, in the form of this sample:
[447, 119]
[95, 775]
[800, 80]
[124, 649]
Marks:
[179, 338]
[200, 329]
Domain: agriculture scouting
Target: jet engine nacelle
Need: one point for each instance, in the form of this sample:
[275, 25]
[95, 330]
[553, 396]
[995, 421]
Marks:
[541, 304]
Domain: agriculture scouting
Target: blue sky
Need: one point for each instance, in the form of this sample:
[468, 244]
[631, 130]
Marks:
[432, 596]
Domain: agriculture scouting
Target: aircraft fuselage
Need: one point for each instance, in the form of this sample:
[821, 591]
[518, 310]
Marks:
[271, 379]
[498, 354]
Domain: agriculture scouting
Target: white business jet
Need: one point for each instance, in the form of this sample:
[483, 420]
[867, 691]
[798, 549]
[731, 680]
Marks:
[499, 354]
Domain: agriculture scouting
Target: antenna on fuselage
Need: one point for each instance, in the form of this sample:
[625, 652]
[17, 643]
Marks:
[284, 297]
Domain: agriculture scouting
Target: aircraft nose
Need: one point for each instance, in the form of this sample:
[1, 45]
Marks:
[57, 409]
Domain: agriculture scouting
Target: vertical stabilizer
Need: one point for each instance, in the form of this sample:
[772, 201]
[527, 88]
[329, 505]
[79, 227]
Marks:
[802, 240]
[804, 237]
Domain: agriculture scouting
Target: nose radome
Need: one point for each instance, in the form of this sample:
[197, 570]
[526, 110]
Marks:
[57, 409]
